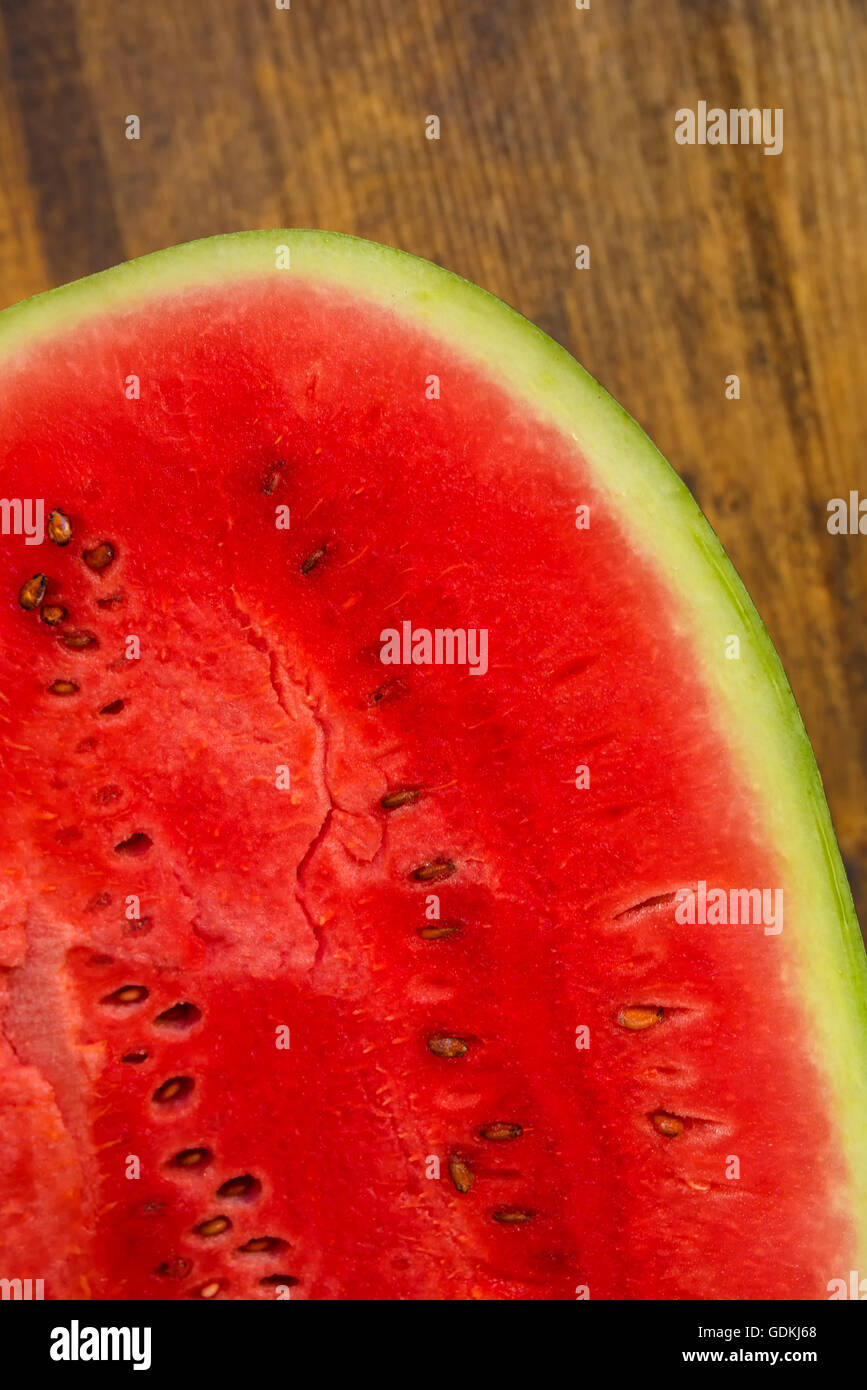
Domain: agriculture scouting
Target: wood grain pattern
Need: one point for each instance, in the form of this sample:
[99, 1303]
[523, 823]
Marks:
[557, 129]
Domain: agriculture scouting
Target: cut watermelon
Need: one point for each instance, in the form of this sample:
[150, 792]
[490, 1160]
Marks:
[522, 968]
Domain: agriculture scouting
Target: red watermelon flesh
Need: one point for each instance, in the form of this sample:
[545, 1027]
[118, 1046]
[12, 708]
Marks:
[287, 1074]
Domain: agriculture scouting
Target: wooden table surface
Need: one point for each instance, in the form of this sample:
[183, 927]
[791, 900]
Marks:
[557, 128]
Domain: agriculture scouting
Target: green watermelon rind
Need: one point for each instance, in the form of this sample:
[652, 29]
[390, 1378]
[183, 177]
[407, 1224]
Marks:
[758, 714]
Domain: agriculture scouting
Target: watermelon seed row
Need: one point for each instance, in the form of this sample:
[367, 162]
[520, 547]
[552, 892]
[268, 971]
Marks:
[243, 1186]
[180, 1016]
[450, 1047]
[634, 1018]
[33, 591]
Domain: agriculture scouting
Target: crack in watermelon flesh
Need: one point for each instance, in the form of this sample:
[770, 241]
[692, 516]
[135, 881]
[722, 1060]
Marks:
[351, 1163]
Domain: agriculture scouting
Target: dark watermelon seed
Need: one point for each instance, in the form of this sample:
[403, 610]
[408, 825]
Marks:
[394, 800]
[647, 905]
[391, 690]
[99, 557]
[637, 1017]
[439, 931]
[313, 560]
[175, 1268]
[134, 1057]
[137, 844]
[178, 1016]
[214, 1226]
[512, 1216]
[114, 708]
[32, 592]
[63, 688]
[668, 1125]
[500, 1130]
[272, 477]
[59, 528]
[263, 1245]
[245, 1185]
[444, 1045]
[53, 613]
[79, 641]
[127, 994]
[435, 869]
[140, 926]
[191, 1158]
[272, 1280]
[460, 1173]
[175, 1089]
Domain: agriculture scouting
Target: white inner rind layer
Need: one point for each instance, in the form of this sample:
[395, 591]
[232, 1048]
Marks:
[824, 957]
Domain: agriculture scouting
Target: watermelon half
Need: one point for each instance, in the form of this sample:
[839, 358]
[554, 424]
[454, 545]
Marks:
[416, 880]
